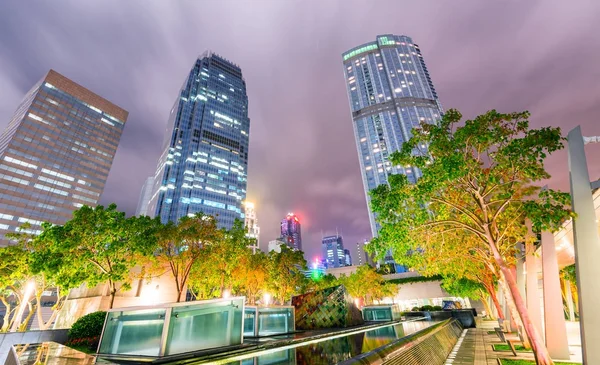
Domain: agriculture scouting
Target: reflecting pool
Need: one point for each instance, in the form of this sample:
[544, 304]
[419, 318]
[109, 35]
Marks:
[334, 350]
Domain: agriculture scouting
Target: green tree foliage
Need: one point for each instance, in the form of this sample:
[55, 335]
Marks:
[97, 245]
[478, 182]
[14, 275]
[181, 246]
[368, 285]
[286, 276]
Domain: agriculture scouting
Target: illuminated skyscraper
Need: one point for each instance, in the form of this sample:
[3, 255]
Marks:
[290, 231]
[145, 195]
[390, 92]
[55, 154]
[204, 161]
[251, 223]
[333, 251]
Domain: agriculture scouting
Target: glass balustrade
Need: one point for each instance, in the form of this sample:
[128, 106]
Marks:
[381, 313]
[268, 321]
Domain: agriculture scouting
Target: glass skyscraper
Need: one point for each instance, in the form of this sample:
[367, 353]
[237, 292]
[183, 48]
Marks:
[55, 154]
[390, 92]
[204, 163]
[333, 251]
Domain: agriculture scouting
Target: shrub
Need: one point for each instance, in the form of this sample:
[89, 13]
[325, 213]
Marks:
[437, 308]
[426, 308]
[415, 309]
[85, 332]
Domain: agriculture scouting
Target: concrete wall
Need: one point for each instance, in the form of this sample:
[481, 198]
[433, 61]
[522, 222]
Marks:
[85, 300]
[7, 340]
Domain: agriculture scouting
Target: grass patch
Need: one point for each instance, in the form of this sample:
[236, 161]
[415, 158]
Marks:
[530, 362]
[504, 347]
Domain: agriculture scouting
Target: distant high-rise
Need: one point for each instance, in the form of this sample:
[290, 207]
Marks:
[290, 231]
[362, 255]
[55, 154]
[390, 92]
[348, 257]
[145, 195]
[204, 161]
[333, 251]
[251, 223]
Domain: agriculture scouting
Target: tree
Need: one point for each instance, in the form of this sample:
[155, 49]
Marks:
[368, 285]
[97, 245]
[14, 274]
[182, 245]
[251, 275]
[286, 275]
[479, 179]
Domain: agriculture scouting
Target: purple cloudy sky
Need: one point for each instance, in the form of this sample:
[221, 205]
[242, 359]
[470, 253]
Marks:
[543, 56]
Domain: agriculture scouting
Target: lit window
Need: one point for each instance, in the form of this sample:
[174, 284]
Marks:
[398, 90]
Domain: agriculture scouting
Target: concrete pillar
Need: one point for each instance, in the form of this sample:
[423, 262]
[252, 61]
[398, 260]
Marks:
[533, 295]
[554, 317]
[587, 248]
[569, 300]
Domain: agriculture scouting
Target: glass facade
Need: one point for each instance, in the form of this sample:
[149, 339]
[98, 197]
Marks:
[333, 251]
[268, 321]
[173, 329]
[204, 164]
[55, 154]
[390, 92]
[381, 313]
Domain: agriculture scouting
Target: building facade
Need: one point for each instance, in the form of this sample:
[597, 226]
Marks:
[362, 255]
[276, 244]
[347, 257]
[333, 251]
[204, 162]
[251, 223]
[291, 231]
[145, 195]
[390, 92]
[55, 154]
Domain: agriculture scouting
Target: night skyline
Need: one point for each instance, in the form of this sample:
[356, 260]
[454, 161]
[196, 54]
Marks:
[511, 56]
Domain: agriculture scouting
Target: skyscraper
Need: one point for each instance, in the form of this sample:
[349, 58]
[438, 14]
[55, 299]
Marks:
[290, 231]
[204, 161]
[363, 256]
[390, 92]
[251, 223]
[145, 195]
[348, 257]
[55, 153]
[333, 251]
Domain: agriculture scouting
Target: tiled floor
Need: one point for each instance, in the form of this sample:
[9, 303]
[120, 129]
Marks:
[475, 346]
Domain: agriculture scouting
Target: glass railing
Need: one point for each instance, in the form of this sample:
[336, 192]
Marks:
[380, 313]
[173, 328]
[268, 321]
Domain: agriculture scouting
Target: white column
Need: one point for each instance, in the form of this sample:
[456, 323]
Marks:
[554, 317]
[533, 295]
[587, 249]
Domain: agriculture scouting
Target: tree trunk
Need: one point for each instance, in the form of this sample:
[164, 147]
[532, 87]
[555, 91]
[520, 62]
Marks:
[514, 313]
[492, 294]
[542, 357]
[113, 292]
[6, 319]
[486, 304]
[23, 325]
[40, 319]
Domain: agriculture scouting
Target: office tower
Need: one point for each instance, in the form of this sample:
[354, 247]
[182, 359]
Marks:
[363, 256]
[145, 194]
[347, 257]
[204, 161]
[333, 251]
[55, 154]
[390, 92]
[251, 223]
[290, 231]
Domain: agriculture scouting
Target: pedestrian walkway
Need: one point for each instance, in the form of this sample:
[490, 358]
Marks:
[474, 347]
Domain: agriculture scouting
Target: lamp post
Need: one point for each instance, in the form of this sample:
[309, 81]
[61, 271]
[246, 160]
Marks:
[587, 246]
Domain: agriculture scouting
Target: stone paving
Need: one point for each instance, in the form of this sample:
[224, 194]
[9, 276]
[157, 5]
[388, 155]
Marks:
[475, 347]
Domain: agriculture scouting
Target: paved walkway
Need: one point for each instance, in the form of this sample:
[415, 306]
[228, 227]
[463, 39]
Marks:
[474, 347]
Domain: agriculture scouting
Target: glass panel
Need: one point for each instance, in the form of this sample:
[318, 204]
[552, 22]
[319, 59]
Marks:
[135, 332]
[249, 319]
[205, 325]
[273, 320]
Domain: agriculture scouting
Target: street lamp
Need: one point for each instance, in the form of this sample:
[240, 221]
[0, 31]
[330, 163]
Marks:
[587, 246]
